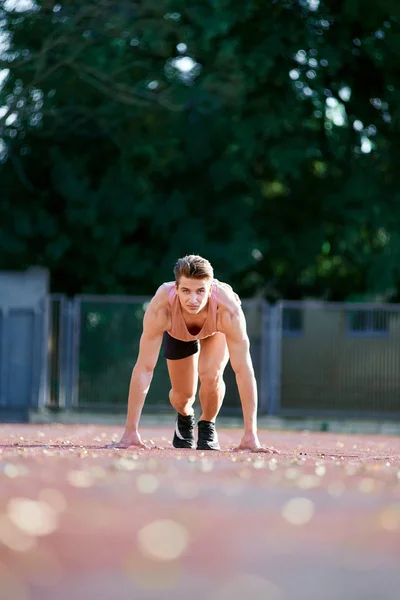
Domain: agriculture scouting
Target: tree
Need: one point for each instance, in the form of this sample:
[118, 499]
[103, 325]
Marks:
[259, 134]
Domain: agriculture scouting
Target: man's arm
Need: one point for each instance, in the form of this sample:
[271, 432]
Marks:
[142, 375]
[154, 325]
[239, 354]
[234, 327]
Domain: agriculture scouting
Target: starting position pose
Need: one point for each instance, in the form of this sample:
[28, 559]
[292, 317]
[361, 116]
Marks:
[202, 325]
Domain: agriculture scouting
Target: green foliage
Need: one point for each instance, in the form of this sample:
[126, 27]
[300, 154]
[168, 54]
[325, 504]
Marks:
[272, 150]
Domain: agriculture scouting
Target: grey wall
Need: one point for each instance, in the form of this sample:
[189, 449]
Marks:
[23, 342]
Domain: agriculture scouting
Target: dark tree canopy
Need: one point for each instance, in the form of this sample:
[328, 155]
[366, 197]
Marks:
[263, 135]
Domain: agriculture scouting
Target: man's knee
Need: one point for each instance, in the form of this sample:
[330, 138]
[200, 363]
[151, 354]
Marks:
[180, 400]
[211, 379]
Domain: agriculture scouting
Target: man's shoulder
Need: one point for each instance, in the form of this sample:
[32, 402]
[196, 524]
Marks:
[162, 294]
[227, 297]
[157, 314]
[158, 309]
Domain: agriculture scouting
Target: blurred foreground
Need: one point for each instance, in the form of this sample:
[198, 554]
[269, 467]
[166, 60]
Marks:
[83, 521]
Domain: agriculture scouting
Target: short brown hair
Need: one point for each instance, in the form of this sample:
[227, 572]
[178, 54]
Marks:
[193, 266]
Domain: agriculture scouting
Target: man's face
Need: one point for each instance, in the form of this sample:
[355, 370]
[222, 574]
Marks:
[193, 294]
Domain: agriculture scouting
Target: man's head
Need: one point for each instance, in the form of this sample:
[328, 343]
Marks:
[193, 277]
[193, 266]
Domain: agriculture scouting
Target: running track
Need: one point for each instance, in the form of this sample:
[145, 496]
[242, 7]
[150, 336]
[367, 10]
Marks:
[80, 521]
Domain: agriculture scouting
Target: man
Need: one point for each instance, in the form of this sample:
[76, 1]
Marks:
[202, 325]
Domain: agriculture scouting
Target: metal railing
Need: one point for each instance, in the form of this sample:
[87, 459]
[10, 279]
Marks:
[310, 358]
[105, 342]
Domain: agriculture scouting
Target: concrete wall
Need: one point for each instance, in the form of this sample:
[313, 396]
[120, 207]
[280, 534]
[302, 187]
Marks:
[328, 367]
[23, 342]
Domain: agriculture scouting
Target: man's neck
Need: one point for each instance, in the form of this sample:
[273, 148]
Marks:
[199, 318]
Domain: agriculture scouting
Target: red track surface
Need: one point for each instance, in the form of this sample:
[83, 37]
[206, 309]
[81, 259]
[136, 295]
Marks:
[80, 521]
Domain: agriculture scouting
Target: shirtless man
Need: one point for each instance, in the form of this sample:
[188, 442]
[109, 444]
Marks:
[202, 325]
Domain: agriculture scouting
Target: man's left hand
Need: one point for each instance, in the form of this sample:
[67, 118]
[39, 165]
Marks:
[251, 443]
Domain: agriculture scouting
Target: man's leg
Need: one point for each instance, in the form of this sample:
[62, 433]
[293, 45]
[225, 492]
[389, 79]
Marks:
[213, 359]
[212, 362]
[183, 376]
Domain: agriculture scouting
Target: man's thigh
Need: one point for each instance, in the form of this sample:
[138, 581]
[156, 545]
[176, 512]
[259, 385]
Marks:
[214, 356]
[183, 375]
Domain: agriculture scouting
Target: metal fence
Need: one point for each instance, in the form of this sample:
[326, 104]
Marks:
[105, 342]
[61, 357]
[310, 358]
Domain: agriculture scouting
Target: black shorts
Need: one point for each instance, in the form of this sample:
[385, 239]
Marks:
[176, 349]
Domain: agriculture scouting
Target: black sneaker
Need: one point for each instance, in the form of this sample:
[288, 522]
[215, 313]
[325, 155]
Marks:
[184, 432]
[208, 437]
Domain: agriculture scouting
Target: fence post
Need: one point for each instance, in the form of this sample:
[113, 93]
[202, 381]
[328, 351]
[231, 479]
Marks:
[41, 352]
[275, 358]
[3, 354]
[75, 329]
[265, 374]
[69, 324]
[64, 353]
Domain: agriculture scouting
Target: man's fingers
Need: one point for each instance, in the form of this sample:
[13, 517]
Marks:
[119, 445]
[267, 450]
[115, 445]
[124, 445]
[259, 449]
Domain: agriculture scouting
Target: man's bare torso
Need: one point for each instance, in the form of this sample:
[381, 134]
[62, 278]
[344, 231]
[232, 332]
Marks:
[228, 304]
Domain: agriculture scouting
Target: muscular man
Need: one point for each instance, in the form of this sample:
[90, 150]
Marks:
[202, 325]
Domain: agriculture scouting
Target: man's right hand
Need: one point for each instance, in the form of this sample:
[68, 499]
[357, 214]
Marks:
[130, 438]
